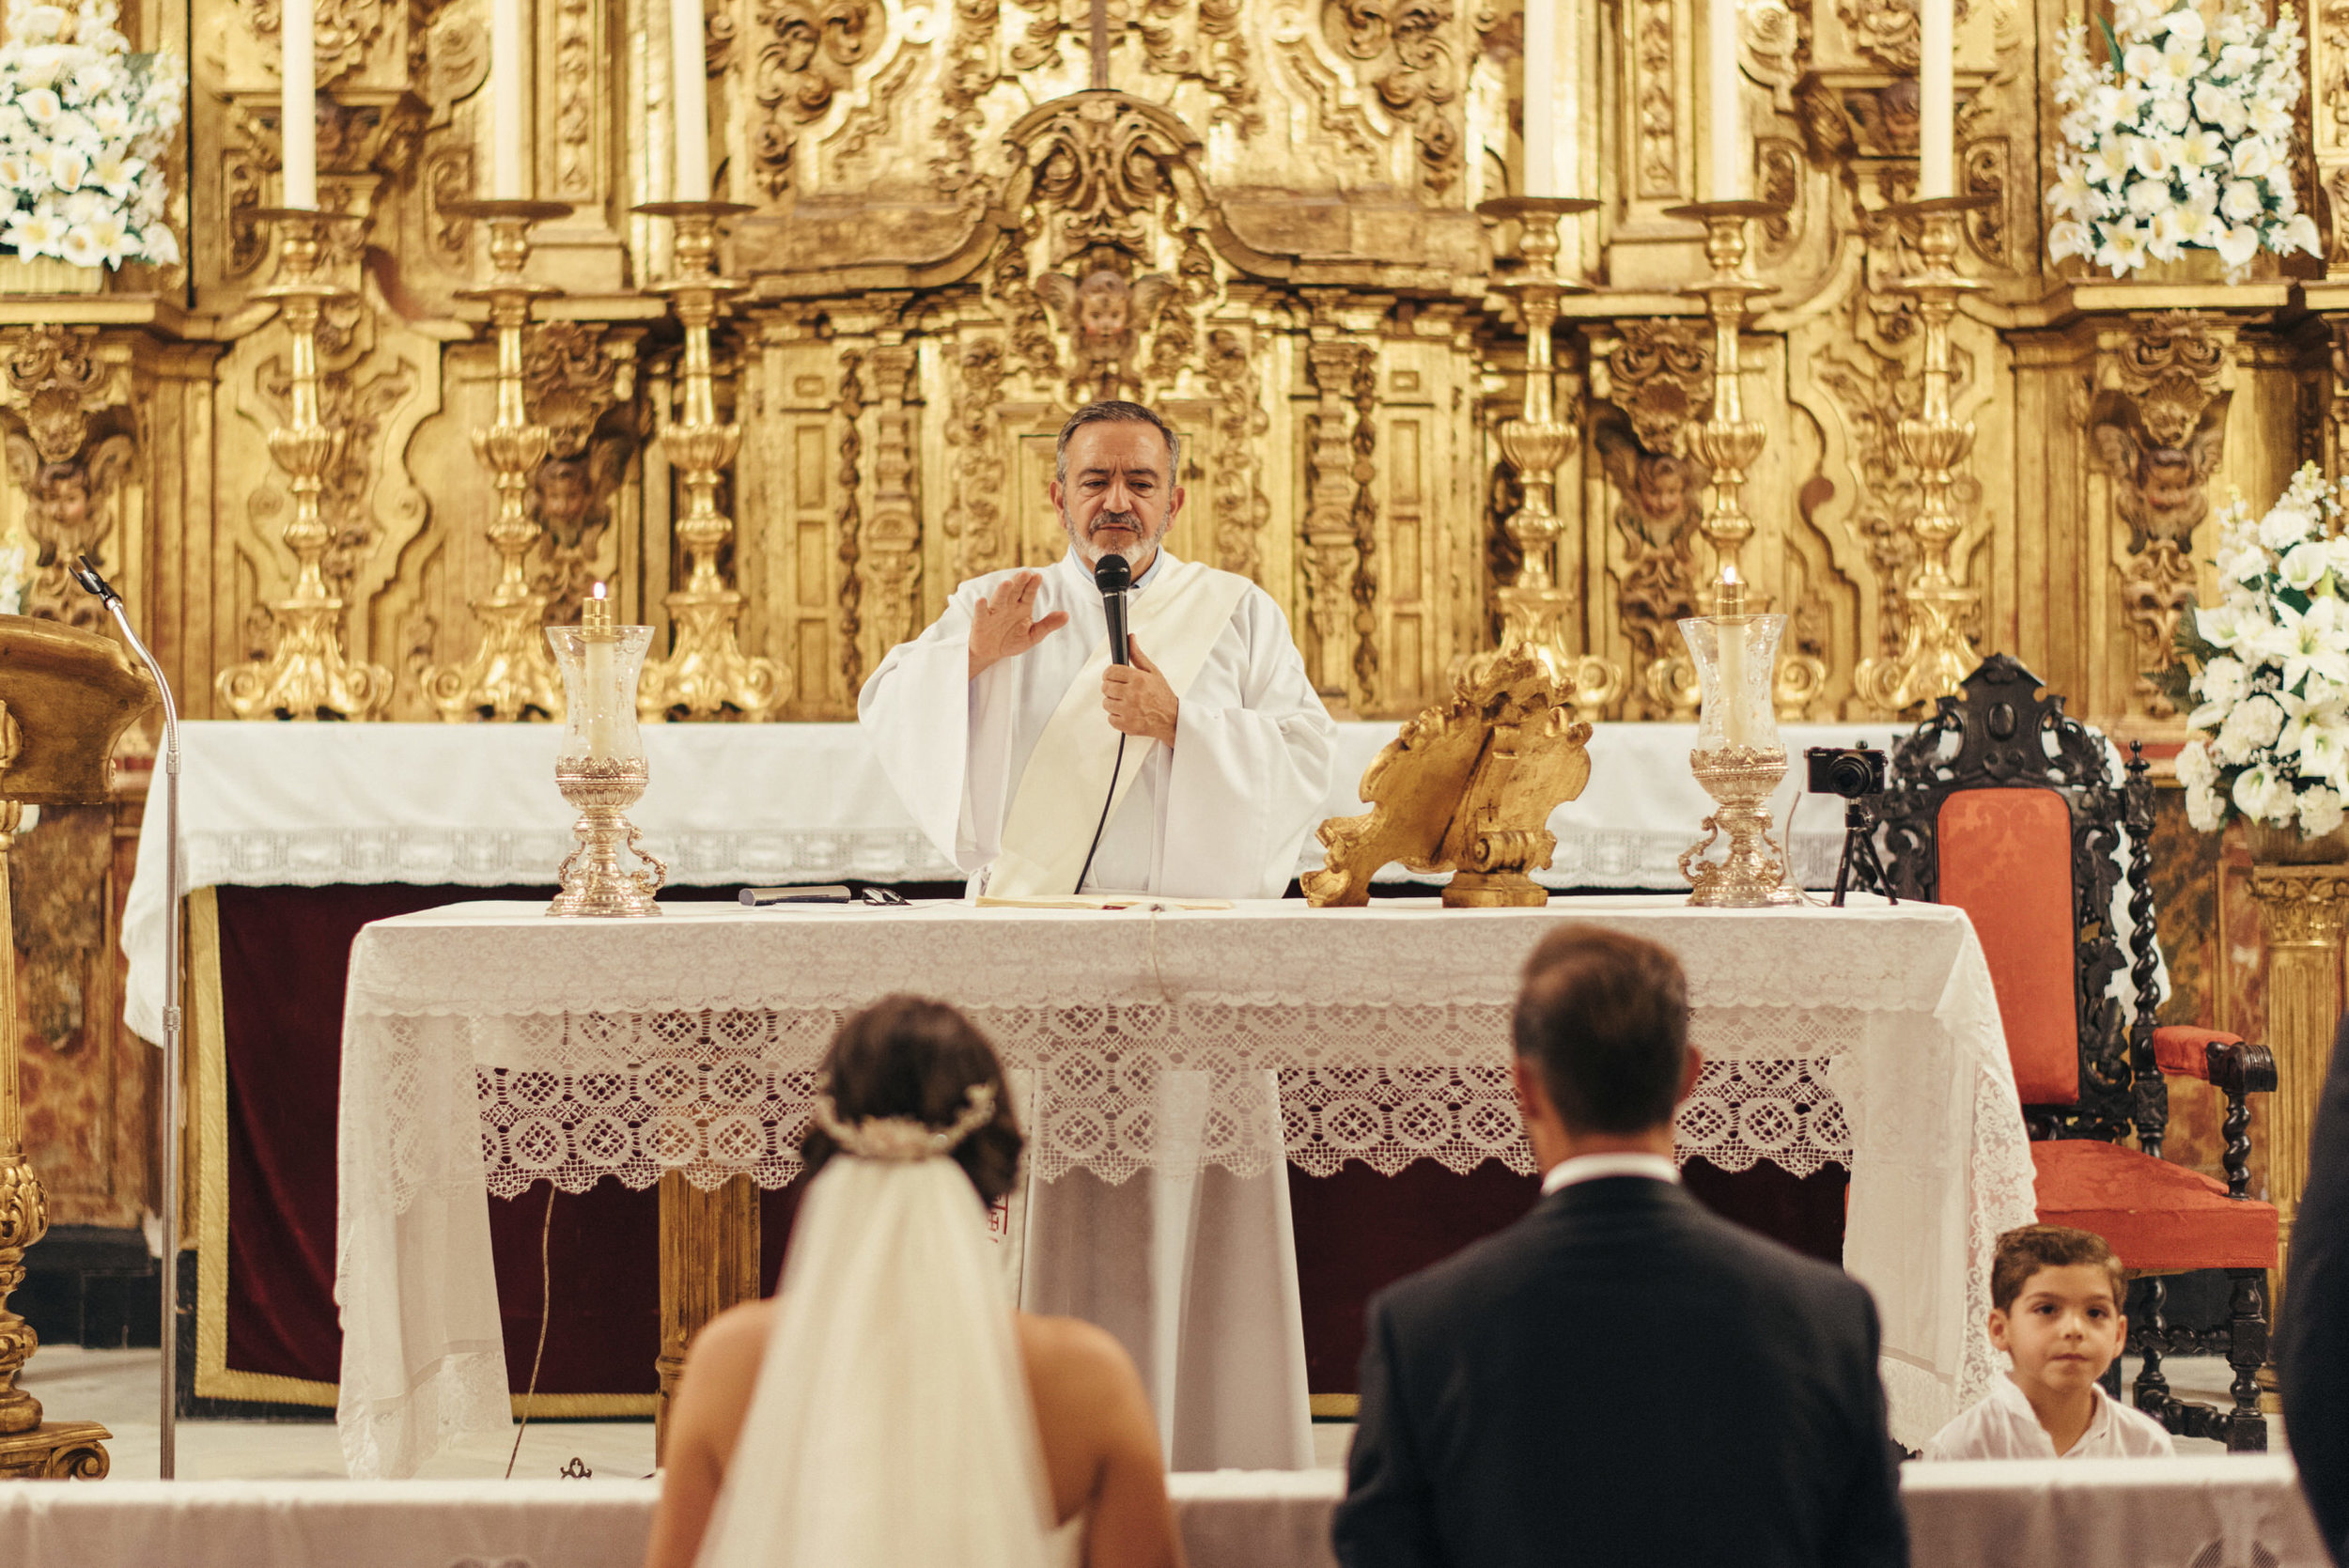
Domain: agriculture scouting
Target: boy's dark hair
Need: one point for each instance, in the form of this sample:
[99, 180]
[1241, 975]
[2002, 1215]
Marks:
[2028, 1249]
[910, 1056]
[1604, 1017]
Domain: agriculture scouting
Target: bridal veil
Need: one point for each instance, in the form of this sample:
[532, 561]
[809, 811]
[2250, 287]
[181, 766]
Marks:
[892, 1425]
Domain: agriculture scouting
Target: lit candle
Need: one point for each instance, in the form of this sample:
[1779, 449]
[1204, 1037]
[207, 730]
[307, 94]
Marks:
[599, 631]
[298, 70]
[1729, 613]
[505, 100]
[1541, 98]
[1937, 103]
[689, 84]
[1726, 133]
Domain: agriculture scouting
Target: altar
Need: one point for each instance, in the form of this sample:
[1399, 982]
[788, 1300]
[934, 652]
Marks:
[487, 1047]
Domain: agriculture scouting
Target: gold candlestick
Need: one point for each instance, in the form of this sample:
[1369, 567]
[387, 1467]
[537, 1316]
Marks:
[1534, 608]
[306, 675]
[511, 675]
[1729, 442]
[706, 674]
[1935, 653]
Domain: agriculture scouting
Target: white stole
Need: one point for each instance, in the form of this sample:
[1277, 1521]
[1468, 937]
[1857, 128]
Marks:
[1049, 825]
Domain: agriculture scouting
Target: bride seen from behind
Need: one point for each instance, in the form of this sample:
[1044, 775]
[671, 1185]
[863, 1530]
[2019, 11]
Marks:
[887, 1408]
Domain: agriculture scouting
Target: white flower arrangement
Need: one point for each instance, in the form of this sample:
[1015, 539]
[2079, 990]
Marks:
[2272, 714]
[84, 126]
[2178, 136]
[16, 573]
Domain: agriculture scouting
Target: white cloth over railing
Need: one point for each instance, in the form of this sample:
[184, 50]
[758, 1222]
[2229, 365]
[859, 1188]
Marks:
[487, 1047]
[2217, 1512]
[475, 805]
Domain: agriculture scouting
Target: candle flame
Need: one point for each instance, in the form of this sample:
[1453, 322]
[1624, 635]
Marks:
[598, 590]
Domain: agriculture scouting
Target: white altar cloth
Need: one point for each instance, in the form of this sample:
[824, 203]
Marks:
[486, 1046]
[2232, 1512]
[474, 805]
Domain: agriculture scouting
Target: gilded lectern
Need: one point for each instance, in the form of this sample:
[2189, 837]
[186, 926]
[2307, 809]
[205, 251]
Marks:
[66, 696]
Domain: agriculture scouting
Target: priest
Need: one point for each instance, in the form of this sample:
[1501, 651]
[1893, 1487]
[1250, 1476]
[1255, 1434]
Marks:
[1001, 725]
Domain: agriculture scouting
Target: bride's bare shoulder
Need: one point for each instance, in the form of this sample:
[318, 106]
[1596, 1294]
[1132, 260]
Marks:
[1060, 1347]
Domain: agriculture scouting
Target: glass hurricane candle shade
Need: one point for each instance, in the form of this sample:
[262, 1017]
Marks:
[1736, 659]
[601, 767]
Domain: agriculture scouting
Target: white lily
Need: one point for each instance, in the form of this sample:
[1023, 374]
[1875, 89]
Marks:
[2308, 642]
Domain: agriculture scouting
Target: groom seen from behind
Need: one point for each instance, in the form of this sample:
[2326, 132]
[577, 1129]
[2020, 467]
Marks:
[1621, 1378]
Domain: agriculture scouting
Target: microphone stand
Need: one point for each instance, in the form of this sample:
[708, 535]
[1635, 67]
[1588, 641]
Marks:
[85, 573]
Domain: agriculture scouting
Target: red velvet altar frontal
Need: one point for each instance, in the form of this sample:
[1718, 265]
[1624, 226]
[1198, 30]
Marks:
[285, 955]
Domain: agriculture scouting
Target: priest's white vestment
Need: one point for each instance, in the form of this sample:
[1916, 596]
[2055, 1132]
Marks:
[1221, 814]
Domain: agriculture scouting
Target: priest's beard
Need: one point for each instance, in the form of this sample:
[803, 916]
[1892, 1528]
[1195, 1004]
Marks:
[1135, 547]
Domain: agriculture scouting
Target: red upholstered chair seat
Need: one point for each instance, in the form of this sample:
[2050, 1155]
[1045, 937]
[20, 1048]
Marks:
[2006, 860]
[2159, 1217]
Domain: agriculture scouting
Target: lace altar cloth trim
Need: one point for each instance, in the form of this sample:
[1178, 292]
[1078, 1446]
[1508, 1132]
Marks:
[671, 1098]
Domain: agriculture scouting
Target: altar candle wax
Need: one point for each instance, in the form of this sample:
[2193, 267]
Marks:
[599, 631]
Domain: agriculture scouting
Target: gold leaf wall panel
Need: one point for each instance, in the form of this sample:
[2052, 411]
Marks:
[1264, 224]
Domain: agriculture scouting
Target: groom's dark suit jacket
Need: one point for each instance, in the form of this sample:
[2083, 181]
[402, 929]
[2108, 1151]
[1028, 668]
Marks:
[1622, 1378]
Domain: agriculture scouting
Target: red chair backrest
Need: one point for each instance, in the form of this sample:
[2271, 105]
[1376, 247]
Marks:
[2004, 856]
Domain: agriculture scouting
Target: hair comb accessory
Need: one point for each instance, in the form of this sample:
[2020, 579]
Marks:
[903, 1139]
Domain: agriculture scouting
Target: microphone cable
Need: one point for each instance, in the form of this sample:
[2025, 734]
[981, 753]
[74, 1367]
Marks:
[1115, 768]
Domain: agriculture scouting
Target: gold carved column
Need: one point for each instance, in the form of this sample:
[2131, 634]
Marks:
[708, 1262]
[2304, 913]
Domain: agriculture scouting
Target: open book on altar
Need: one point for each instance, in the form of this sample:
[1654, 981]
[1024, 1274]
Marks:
[1103, 901]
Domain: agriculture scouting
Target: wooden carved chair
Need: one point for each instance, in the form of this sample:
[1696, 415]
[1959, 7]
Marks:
[2003, 806]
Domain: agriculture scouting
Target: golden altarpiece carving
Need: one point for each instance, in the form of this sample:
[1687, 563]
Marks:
[961, 218]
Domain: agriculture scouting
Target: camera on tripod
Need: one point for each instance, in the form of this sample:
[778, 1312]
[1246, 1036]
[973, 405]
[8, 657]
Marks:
[1856, 773]
[1851, 771]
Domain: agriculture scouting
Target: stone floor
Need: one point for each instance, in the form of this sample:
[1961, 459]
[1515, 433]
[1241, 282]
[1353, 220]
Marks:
[117, 1388]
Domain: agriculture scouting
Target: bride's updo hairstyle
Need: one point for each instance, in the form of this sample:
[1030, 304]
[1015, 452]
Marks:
[907, 1056]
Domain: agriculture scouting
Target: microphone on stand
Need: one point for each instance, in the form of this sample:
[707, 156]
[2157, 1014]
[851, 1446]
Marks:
[1114, 576]
[84, 572]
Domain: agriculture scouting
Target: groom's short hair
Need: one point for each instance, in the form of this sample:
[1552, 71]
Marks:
[1604, 1017]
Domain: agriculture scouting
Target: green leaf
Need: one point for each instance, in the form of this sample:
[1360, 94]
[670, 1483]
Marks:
[2112, 41]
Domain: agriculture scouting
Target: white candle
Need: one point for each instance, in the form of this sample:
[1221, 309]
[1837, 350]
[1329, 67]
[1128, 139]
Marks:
[1726, 132]
[599, 633]
[1541, 98]
[506, 151]
[1730, 613]
[1936, 99]
[690, 85]
[298, 70]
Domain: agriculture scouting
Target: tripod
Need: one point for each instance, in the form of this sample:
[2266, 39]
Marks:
[1860, 853]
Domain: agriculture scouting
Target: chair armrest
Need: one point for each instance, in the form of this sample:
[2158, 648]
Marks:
[2181, 1050]
[2236, 1067]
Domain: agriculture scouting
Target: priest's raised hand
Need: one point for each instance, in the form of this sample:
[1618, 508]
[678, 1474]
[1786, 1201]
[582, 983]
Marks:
[1006, 626]
[1001, 725]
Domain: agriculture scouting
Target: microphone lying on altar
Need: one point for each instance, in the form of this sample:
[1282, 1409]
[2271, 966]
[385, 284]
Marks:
[2006, 1514]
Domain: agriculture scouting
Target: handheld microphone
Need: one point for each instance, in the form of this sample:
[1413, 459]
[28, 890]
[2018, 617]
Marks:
[1114, 576]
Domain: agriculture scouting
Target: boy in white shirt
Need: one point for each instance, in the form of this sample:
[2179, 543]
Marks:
[2055, 1296]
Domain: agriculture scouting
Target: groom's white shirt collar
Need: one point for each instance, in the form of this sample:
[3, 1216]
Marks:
[1593, 1168]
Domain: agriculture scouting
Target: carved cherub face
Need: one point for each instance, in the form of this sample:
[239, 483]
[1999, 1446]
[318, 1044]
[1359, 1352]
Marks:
[62, 491]
[1659, 490]
[1104, 307]
[2168, 478]
[564, 494]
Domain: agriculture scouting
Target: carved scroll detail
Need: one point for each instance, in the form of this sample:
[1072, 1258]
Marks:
[894, 537]
[847, 527]
[808, 53]
[1402, 42]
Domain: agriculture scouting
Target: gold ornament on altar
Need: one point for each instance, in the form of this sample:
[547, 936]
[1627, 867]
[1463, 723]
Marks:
[706, 674]
[510, 675]
[1466, 787]
[1738, 756]
[306, 675]
[602, 769]
[66, 697]
[1935, 653]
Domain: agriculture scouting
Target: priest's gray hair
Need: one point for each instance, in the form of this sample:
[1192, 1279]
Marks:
[1112, 410]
